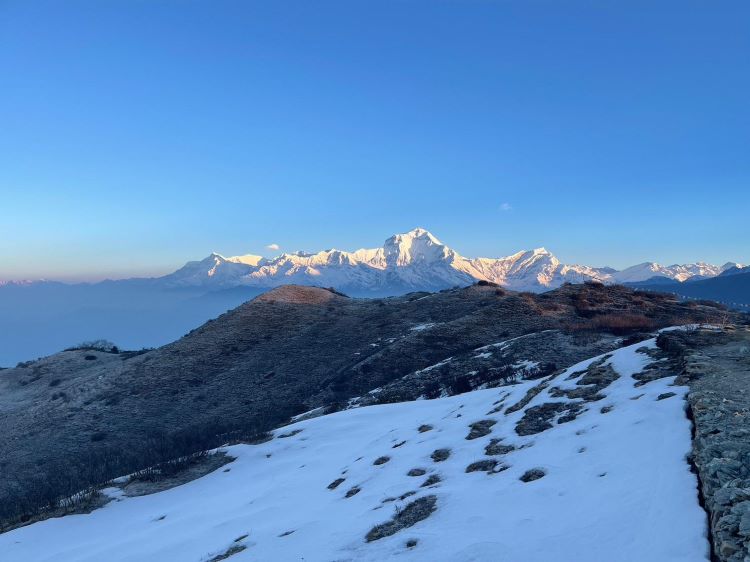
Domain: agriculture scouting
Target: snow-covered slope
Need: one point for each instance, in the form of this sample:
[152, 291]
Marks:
[598, 480]
[413, 261]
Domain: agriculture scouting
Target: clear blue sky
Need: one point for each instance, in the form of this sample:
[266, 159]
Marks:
[135, 135]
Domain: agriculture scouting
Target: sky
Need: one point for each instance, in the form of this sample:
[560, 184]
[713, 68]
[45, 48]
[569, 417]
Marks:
[136, 135]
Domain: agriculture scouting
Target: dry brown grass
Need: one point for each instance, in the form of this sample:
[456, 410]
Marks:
[617, 324]
[295, 294]
[620, 324]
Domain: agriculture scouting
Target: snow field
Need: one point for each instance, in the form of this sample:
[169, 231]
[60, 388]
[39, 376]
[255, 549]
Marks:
[617, 488]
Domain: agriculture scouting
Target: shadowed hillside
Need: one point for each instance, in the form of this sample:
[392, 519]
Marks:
[82, 417]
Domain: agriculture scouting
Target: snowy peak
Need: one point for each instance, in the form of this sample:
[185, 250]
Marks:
[247, 259]
[416, 246]
[213, 270]
[415, 234]
[539, 259]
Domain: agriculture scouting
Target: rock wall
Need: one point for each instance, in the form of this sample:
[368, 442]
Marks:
[716, 365]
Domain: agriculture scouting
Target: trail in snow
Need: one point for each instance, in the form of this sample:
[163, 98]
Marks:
[617, 488]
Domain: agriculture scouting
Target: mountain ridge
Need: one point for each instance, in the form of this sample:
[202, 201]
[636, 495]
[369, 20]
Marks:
[413, 261]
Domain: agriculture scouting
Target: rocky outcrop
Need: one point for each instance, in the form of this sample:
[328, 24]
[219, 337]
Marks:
[716, 365]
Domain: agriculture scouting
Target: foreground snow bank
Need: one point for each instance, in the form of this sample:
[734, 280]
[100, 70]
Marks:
[615, 486]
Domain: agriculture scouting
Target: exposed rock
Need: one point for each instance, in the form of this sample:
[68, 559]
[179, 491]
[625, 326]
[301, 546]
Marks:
[381, 460]
[480, 429]
[290, 434]
[598, 376]
[431, 480]
[416, 472]
[414, 512]
[530, 394]
[717, 368]
[533, 474]
[335, 484]
[539, 418]
[495, 447]
[231, 551]
[485, 465]
[439, 455]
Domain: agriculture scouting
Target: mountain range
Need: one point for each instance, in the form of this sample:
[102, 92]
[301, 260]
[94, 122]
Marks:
[42, 317]
[731, 287]
[414, 261]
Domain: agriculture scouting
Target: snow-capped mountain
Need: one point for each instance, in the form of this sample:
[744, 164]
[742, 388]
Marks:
[677, 272]
[533, 270]
[413, 261]
[215, 270]
[734, 269]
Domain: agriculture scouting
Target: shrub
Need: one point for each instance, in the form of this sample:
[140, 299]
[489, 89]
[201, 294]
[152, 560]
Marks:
[621, 324]
[95, 345]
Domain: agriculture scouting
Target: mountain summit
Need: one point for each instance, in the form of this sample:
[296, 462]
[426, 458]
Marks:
[416, 246]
